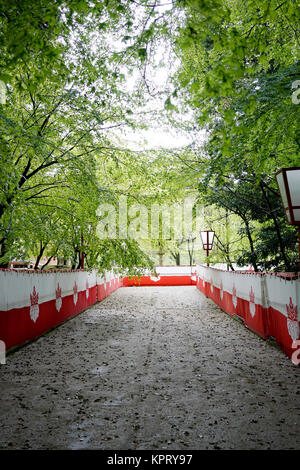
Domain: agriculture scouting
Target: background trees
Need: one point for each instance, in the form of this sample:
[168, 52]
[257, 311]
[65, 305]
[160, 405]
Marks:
[75, 72]
[240, 61]
[64, 95]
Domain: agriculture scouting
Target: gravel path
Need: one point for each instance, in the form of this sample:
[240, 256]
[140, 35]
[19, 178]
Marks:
[150, 368]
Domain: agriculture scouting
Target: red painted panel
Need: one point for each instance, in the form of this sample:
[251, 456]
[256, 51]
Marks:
[257, 323]
[162, 281]
[264, 322]
[277, 328]
[17, 327]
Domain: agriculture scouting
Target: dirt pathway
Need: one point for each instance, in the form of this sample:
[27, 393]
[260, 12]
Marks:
[150, 368]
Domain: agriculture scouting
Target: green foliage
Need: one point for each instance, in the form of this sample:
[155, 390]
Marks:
[65, 66]
[55, 130]
[239, 62]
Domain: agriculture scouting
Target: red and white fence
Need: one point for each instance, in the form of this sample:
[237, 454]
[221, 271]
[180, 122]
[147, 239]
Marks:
[32, 303]
[166, 276]
[267, 303]
[107, 284]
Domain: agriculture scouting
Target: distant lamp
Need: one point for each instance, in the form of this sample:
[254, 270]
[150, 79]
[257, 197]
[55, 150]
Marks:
[207, 237]
[288, 180]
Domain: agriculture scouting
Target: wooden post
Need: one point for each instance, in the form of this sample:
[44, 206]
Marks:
[207, 249]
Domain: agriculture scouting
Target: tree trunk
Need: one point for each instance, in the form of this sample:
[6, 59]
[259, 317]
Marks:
[38, 259]
[48, 261]
[191, 250]
[176, 257]
[79, 260]
[229, 264]
[251, 244]
[75, 257]
[160, 254]
[277, 228]
[3, 251]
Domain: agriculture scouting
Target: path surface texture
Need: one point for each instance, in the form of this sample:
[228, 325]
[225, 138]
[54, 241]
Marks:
[150, 368]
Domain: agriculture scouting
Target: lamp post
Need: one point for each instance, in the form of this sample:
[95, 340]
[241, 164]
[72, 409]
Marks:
[288, 180]
[207, 237]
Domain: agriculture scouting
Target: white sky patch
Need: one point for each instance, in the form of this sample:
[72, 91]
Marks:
[154, 139]
[159, 138]
[157, 74]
